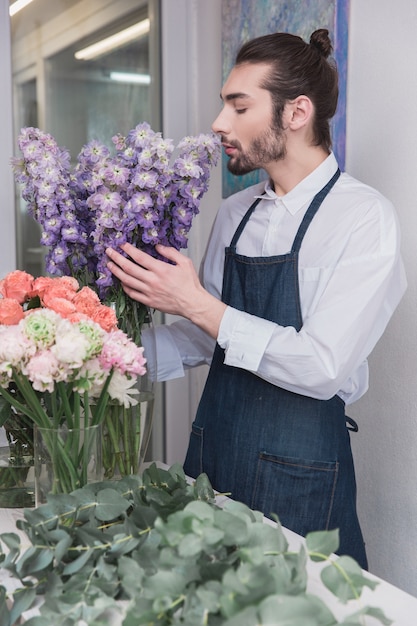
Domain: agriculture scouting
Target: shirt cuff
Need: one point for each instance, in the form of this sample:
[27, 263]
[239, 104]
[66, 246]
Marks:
[244, 338]
[163, 360]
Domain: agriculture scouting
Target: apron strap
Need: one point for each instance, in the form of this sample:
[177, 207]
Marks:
[311, 211]
[243, 223]
[353, 426]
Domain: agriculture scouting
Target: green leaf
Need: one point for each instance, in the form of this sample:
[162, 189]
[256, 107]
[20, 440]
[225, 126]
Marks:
[122, 544]
[4, 608]
[33, 560]
[77, 564]
[63, 542]
[190, 546]
[13, 543]
[290, 610]
[356, 619]
[165, 582]
[322, 544]
[345, 579]
[5, 410]
[23, 600]
[235, 528]
[247, 617]
[110, 504]
[203, 488]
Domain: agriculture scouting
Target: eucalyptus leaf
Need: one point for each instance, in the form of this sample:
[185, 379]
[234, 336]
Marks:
[110, 504]
[23, 600]
[321, 544]
[77, 564]
[356, 619]
[235, 528]
[203, 488]
[293, 610]
[13, 543]
[33, 560]
[4, 609]
[345, 579]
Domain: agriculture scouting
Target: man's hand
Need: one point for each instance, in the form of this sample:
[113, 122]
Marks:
[169, 287]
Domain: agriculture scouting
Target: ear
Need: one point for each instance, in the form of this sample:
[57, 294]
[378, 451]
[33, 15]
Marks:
[299, 111]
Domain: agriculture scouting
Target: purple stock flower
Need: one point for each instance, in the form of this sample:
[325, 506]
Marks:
[132, 193]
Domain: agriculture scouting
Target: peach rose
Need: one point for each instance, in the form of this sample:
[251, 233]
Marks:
[11, 312]
[86, 301]
[70, 282]
[57, 289]
[105, 317]
[40, 285]
[62, 306]
[17, 285]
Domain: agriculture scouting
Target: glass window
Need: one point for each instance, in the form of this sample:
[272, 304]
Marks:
[81, 71]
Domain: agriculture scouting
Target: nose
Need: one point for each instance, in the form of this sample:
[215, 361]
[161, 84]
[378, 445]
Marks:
[221, 124]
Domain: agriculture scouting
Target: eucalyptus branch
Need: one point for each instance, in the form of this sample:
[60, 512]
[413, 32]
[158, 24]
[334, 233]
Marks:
[173, 554]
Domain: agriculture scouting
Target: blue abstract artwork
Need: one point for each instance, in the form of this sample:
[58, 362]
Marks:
[246, 19]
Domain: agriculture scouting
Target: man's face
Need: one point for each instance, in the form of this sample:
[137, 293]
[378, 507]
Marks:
[245, 122]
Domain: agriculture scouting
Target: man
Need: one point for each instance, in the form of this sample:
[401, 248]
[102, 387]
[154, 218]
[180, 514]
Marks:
[300, 278]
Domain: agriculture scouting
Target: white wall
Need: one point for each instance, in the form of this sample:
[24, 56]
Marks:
[382, 151]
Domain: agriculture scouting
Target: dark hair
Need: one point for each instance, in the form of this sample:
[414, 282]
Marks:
[298, 68]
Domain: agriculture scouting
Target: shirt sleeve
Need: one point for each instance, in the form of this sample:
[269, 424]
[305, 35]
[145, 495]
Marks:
[171, 349]
[353, 302]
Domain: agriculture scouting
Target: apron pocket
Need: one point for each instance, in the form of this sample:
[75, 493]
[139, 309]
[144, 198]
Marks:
[193, 465]
[300, 492]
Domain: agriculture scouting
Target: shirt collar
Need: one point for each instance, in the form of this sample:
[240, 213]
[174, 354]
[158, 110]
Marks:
[305, 191]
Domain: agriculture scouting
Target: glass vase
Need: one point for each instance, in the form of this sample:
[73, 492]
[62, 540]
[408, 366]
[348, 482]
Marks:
[127, 431]
[66, 459]
[17, 486]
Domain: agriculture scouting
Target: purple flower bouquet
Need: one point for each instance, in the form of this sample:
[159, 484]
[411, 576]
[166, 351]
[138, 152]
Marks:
[132, 194]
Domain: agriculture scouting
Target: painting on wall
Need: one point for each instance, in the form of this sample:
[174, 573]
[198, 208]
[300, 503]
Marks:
[245, 19]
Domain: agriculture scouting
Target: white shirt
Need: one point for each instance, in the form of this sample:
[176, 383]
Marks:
[351, 279]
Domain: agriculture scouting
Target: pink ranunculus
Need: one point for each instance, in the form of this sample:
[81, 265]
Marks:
[43, 370]
[15, 347]
[120, 353]
[17, 285]
[11, 312]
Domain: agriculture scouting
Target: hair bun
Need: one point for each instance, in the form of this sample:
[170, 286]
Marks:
[320, 40]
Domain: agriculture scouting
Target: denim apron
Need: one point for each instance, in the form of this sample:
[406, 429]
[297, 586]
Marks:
[277, 451]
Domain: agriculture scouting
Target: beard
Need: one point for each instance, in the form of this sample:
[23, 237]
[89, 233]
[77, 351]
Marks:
[271, 146]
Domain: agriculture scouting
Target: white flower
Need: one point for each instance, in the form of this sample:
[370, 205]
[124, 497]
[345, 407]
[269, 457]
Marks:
[120, 389]
[71, 346]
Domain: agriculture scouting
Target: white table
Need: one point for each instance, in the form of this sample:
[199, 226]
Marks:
[399, 606]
